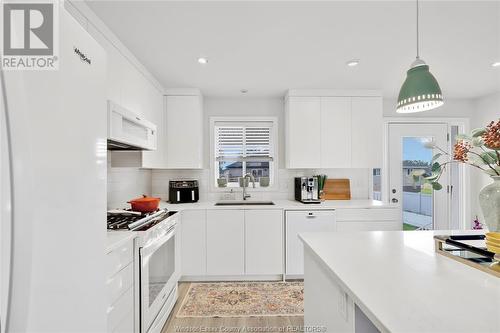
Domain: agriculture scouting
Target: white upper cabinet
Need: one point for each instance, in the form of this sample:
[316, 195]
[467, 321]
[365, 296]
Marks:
[333, 129]
[303, 135]
[157, 158]
[114, 74]
[178, 115]
[367, 132]
[184, 129]
[335, 132]
[128, 86]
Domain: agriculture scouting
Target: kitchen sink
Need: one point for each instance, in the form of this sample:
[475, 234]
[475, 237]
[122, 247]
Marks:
[244, 203]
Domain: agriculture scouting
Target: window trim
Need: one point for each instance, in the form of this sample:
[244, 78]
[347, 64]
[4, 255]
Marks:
[273, 185]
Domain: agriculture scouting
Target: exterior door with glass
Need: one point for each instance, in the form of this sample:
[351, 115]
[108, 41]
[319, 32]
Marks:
[409, 161]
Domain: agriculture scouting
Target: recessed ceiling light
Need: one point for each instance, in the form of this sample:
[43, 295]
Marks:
[352, 63]
[244, 91]
[495, 64]
[203, 60]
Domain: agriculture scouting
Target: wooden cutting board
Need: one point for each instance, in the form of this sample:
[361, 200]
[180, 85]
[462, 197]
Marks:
[337, 189]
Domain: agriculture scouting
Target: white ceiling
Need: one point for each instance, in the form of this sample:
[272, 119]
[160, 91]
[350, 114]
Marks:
[268, 47]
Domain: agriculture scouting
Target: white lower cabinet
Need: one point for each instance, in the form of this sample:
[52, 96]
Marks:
[326, 304]
[231, 242]
[120, 284]
[376, 219]
[120, 312]
[218, 243]
[126, 325]
[194, 243]
[225, 242]
[263, 242]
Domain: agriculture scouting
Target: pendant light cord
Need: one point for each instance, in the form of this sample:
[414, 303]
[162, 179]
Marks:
[418, 42]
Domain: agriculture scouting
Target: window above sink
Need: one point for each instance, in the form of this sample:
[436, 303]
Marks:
[240, 146]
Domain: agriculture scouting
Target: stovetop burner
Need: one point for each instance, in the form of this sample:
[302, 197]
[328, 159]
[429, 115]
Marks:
[129, 220]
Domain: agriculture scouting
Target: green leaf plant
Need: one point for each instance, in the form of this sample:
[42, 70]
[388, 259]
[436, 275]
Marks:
[480, 149]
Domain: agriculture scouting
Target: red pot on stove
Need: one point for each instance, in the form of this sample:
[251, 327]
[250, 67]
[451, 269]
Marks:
[145, 204]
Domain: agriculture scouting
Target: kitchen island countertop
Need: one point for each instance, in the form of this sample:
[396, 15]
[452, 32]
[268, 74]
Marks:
[402, 285]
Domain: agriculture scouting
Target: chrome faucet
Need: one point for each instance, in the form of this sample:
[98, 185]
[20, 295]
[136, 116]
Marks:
[248, 175]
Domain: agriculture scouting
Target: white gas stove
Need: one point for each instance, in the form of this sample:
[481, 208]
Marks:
[158, 262]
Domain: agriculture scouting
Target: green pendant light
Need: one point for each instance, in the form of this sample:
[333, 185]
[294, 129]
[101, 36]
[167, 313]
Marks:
[420, 91]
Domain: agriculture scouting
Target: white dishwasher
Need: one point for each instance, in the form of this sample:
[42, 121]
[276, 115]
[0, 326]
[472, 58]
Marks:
[300, 221]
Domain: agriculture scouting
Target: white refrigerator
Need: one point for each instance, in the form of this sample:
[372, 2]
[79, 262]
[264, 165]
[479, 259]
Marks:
[53, 191]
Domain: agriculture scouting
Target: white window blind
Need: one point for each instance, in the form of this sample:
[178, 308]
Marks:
[244, 142]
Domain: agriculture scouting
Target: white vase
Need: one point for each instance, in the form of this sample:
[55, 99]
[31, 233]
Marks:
[489, 199]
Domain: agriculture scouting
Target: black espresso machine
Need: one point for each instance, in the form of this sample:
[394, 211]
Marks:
[182, 191]
[306, 190]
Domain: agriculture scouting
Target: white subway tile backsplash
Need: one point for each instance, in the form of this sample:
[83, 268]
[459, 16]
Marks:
[125, 184]
[284, 189]
[128, 183]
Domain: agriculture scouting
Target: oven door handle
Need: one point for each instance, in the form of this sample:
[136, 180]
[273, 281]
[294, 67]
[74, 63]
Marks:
[151, 248]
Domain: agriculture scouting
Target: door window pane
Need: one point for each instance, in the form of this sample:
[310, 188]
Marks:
[417, 195]
[456, 173]
[377, 184]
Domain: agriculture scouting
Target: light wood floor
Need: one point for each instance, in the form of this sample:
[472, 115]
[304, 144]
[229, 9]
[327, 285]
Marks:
[208, 324]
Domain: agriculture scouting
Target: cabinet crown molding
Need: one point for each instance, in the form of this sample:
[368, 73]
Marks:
[183, 92]
[332, 93]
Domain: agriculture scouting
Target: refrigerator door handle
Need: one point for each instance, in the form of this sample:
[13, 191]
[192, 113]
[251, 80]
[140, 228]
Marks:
[6, 210]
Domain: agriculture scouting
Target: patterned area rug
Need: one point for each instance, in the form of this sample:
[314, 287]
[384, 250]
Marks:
[243, 299]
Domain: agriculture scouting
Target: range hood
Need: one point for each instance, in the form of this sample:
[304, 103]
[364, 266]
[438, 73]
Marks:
[128, 131]
[114, 145]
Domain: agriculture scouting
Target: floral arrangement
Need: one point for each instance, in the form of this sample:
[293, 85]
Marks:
[480, 150]
[477, 225]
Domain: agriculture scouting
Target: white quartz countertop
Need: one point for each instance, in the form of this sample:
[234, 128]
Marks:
[282, 204]
[398, 280]
[118, 238]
